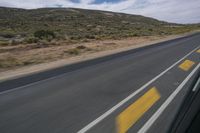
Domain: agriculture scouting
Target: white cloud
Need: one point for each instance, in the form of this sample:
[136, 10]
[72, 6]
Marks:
[86, 1]
[179, 11]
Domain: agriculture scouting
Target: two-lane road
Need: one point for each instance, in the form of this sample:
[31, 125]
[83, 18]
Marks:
[139, 90]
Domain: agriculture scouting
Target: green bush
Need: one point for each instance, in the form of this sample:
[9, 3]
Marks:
[77, 37]
[15, 42]
[32, 40]
[7, 35]
[4, 43]
[150, 29]
[44, 34]
[90, 36]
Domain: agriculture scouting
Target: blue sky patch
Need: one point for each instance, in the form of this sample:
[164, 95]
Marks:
[102, 1]
[75, 1]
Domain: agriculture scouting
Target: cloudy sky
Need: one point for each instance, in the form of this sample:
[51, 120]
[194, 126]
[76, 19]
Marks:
[179, 11]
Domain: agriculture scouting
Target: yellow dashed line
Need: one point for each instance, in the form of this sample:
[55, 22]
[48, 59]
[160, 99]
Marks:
[130, 115]
[186, 65]
[198, 51]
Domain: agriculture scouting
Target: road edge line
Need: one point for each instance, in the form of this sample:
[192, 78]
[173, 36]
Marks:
[155, 116]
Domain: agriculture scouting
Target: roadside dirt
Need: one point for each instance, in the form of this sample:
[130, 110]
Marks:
[26, 59]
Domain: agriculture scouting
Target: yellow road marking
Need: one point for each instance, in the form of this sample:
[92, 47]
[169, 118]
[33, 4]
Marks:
[186, 65]
[198, 51]
[130, 115]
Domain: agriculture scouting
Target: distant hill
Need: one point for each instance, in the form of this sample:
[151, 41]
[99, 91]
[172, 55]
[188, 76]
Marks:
[77, 24]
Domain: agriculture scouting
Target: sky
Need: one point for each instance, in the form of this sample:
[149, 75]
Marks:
[177, 11]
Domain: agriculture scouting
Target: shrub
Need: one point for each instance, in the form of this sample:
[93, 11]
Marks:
[44, 34]
[136, 34]
[81, 47]
[77, 37]
[72, 37]
[4, 43]
[32, 40]
[90, 36]
[9, 62]
[85, 40]
[73, 51]
[150, 29]
[8, 35]
[15, 42]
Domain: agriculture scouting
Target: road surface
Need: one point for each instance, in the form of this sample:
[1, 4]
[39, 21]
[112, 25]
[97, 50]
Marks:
[139, 90]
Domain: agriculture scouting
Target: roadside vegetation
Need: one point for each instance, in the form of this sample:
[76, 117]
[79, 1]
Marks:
[28, 30]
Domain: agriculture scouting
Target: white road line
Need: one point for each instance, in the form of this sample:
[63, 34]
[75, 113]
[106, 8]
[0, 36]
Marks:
[196, 85]
[155, 116]
[51, 78]
[103, 116]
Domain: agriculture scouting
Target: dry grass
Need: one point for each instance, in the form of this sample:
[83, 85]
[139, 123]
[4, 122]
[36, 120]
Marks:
[23, 55]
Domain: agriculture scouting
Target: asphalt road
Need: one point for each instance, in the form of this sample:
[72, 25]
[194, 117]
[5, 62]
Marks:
[136, 91]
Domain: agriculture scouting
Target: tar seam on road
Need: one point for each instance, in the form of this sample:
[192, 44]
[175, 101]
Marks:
[155, 116]
[107, 113]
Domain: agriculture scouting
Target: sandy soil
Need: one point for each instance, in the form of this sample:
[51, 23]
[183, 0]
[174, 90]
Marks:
[36, 58]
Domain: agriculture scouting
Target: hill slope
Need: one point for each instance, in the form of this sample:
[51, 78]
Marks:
[30, 37]
[77, 24]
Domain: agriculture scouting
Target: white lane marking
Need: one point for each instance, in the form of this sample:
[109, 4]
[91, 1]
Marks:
[51, 78]
[196, 85]
[107, 113]
[154, 117]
